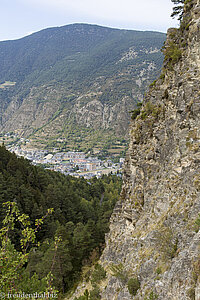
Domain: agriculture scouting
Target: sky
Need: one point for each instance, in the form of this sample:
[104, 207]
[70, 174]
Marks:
[22, 17]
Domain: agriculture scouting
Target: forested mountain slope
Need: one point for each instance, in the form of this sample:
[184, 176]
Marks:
[80, 220]
[68, 86]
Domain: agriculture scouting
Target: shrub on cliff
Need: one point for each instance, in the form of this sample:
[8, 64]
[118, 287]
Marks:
[133, 286]
[98, 274]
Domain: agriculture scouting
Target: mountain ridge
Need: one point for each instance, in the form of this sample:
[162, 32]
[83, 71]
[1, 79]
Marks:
[55, 75]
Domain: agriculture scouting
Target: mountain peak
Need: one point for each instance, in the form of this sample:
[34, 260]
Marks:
[78, 78]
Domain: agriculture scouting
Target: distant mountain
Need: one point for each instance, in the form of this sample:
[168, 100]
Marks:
[73, 86]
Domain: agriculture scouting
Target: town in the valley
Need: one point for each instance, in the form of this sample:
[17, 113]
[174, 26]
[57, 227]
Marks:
[69, 163]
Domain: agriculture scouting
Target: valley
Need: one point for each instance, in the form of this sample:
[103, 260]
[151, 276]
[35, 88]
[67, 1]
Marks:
[112, 223]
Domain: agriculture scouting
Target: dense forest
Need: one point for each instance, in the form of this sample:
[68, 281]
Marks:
[58, 242]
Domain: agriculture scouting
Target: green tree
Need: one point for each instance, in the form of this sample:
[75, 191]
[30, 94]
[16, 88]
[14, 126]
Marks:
[12, 262]
[178, 9]
[82, 210]
[82, 241]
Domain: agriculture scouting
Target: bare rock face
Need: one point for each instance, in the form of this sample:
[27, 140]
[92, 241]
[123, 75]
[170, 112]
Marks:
[26, 116]
[96, 114]
[154, 234]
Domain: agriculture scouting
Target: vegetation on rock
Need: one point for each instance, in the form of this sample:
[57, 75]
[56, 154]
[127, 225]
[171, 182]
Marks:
[133, 286]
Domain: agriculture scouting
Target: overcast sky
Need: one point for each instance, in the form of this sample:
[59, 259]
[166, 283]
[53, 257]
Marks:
[22, 17]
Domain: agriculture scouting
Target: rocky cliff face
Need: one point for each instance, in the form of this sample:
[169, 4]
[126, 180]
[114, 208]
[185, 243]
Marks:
[153, 248]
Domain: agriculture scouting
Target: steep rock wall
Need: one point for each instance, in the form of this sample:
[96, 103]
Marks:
[154, 233]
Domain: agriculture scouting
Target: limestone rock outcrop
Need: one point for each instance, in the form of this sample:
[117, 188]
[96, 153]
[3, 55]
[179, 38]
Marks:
[153, 247]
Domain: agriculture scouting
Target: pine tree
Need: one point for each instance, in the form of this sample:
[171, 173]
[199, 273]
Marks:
[178, 9]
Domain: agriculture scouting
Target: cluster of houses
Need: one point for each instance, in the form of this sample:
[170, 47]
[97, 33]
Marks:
[69, 163]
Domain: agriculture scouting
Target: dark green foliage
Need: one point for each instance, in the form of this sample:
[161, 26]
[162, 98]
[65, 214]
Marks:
[80, 219]
[84, 51]
[178, 9]
[95, 294]
[13, 277]
[166, 242]
[133, 286]
[197, 224]
[158, 271]
[172, 53]
[191, 293]
[136, 111]
[98, 274]
[176, 45]
[81, 298]
[153, 83]
[152, 110]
